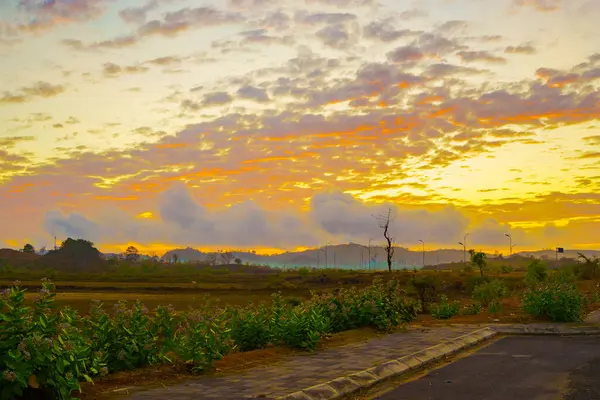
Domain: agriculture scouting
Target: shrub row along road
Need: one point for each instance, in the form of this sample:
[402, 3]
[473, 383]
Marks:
[516, 368]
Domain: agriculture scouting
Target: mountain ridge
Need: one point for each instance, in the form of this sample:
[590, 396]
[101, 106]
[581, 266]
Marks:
[354, 255]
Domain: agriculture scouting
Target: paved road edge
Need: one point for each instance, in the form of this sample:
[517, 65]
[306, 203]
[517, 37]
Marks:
[340, 387]
[552, 330]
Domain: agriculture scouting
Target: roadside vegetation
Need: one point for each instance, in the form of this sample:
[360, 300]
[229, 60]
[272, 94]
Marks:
[55, 340]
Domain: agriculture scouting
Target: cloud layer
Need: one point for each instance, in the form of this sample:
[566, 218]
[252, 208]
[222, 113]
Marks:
[285, 124]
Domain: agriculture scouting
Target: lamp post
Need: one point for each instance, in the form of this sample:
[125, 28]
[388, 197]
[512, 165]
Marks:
[370, 240]
[464, 244]
[369, 250]
[326, 263]
[325, 251]
[420, 241]
[509, 244]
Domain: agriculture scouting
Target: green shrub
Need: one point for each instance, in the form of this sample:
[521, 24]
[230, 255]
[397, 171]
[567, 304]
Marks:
[487, 292]
[563, 275]
[536, 272]
[427, 289]
[58, 348]
[303, 328]
[557, 302]
[383, 306]
[475, 281]
[472, 309]
[42, 345]
[506, 269]
[250, 328]
[445, 310]
[304, 272]
[494, 307]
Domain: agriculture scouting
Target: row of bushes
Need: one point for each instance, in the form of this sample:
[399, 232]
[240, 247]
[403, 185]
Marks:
[554, 297]
[56, 349]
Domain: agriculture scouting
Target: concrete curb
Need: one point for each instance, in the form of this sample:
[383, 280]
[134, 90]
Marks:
[550, 330]
[340, 387]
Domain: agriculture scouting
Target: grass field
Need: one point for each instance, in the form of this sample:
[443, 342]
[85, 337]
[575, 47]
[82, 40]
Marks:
[187, 289]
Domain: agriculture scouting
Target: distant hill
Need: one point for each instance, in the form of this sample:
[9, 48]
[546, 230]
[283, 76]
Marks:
[185, 255]
[353, 255]
[551, 254]
[350, 256]
[17, 258]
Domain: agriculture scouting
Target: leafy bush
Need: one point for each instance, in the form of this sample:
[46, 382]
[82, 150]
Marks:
[475, 281]
[40, 347]
[250, 328]
[588, 269]
[490, 291]
[506, 269]
[303, 328]
[56, 349]
[557, 302]
[494, 307]
[427, 289]
[536, 272]
[472, 309]
[563, 275]
[383, 305]
[303, 272]
[445, 310]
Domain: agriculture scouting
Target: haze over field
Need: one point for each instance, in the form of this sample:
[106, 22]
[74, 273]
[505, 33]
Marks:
[270, 124]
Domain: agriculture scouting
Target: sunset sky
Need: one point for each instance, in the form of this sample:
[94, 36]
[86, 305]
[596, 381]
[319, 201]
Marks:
[285, 124]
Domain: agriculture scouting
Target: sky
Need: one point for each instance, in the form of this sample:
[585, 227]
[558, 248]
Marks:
[288, 124]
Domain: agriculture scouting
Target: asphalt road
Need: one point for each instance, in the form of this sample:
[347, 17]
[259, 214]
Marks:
[514, 368]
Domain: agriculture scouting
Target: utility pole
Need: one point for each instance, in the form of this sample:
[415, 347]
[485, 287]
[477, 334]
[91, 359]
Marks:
[423, 252]
[464, 244]
[509, 244]
[320, 250]
[370, 254]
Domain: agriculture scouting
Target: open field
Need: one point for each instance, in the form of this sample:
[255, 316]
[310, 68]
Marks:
[306, 298]
[240, 289]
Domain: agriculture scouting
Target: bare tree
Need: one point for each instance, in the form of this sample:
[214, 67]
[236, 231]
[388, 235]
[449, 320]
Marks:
[227, 257]
[211, 258]
[384, 223]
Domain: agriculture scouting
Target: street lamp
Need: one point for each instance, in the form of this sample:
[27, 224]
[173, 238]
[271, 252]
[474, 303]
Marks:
[509, 244]
[369, 250]
[326, 263]
[370, 240]
[464, 244]
[321, 250]
[420, 241]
